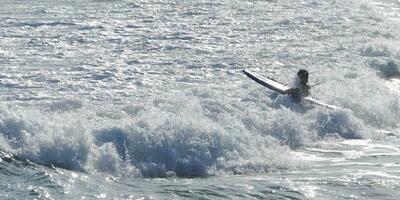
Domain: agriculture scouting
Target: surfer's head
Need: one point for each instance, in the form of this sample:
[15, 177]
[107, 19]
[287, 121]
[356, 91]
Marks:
[303, 76]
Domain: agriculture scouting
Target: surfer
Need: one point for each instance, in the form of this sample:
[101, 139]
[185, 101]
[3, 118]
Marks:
[302, 89]
[299, 93]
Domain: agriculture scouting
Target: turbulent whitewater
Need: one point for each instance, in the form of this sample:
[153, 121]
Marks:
[146, 99]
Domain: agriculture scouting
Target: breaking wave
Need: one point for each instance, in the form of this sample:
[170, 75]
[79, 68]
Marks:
[192, 133]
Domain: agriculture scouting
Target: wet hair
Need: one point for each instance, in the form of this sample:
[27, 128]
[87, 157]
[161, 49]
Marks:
[303, 75]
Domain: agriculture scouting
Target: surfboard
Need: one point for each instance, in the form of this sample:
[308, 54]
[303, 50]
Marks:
[268, 82]
[283, 89]
[320, 103]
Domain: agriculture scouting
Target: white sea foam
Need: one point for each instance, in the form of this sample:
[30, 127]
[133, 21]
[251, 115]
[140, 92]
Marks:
[184, 134]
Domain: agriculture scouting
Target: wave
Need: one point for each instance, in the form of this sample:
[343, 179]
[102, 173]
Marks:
[36, 24]
[188, 134]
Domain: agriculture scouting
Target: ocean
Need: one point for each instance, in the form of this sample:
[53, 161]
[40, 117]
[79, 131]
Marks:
[146, 99]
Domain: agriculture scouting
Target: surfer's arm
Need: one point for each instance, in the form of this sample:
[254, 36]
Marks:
[290, 91]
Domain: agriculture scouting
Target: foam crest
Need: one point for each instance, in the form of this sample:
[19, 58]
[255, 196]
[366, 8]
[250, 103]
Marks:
[190, 140]
[383, 56]
[170, 138]
[197, 132]
[45, 138]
